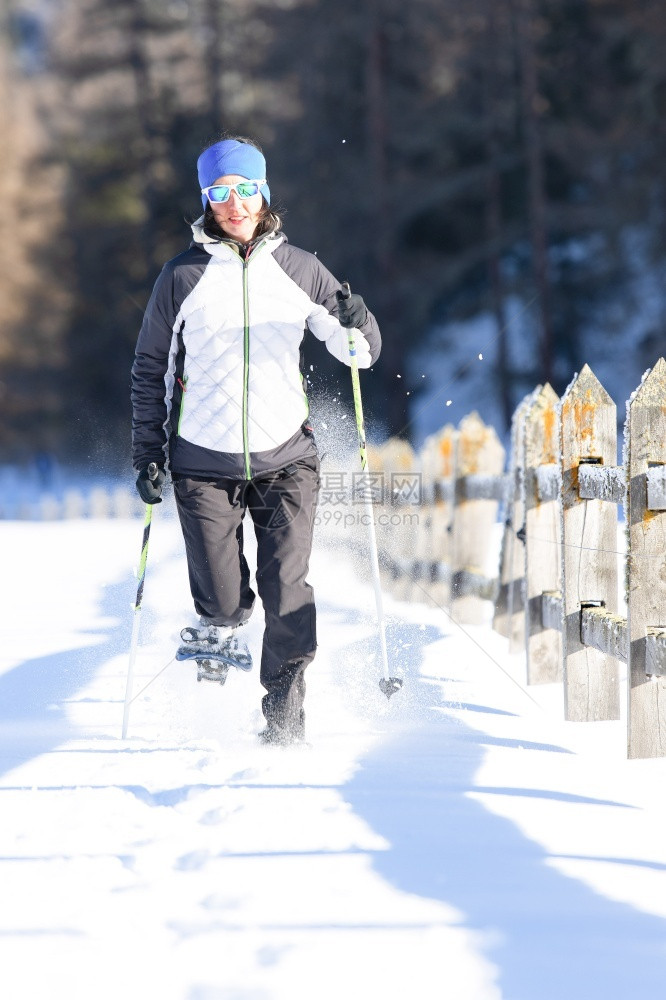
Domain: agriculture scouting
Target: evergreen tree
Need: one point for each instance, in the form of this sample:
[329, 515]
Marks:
[32, 305]
[440, 157]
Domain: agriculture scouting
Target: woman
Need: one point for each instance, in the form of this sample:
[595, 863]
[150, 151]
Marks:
[217, 391]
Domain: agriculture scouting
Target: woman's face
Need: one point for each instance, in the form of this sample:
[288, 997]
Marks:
[238, 217]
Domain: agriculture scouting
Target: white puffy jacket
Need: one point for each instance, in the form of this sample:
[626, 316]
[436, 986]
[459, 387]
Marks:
[218, 360]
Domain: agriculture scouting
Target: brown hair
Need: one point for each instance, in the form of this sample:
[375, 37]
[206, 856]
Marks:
[270, 219]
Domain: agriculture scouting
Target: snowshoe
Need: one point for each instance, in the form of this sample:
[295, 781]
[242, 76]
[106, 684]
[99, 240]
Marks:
[215, 645]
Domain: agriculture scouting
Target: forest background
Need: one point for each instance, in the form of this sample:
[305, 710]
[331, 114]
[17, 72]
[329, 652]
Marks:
[497, 162]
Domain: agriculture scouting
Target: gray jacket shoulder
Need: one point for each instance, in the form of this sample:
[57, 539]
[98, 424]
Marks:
[308, 272]
[175, 282]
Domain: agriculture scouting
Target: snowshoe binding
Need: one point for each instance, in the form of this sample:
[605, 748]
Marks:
[215, 649]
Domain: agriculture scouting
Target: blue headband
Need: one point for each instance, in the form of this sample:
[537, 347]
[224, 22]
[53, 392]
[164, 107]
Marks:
[231, 157]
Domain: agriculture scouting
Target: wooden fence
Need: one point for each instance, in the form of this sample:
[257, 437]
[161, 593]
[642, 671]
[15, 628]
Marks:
[554, 593]
[553, 589]
[73, 504]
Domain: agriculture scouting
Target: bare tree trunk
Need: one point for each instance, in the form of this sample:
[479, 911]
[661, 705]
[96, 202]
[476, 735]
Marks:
[382, 236]
[535, 178]
[139, 63]
[214, 18]
[494, 208]
[376, 133]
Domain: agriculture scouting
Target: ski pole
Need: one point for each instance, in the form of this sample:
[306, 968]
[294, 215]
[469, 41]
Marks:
[387, 684]
[141, 574]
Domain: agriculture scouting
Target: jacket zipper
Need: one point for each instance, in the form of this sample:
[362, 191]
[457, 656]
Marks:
[183, 388]
[246, 368]
[246, 356]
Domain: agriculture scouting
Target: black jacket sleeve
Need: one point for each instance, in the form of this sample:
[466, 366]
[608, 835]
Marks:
[151, 392]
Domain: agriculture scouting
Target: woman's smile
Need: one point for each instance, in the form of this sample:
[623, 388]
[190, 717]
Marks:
[238, 217]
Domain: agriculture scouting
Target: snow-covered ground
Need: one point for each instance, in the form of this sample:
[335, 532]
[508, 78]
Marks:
[459, 841]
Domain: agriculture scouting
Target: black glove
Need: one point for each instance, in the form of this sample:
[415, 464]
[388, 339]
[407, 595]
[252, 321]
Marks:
[150, 483]
[352, 310]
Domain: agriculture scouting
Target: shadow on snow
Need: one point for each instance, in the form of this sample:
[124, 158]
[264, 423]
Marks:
[549, 935]
[33, 695]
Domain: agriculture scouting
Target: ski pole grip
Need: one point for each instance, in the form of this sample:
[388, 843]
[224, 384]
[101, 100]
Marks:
[152, 471]
[346, 290]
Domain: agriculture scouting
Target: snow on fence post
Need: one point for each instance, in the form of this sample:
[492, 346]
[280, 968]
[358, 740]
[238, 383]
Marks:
[49, 508]
[542, 538]
[645, 446]
[588, 429]
[479, 453]
[509, 617]
[98, 503]
[123, 503]
[73, 506]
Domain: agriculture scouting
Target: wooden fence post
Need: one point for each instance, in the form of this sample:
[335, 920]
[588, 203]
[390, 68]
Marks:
[509, 619]
[428, 542]
[376, 482]
[542, 539]
[646, 565]
[589, 542]
[442, 514]
[396, 532]
[479, 452]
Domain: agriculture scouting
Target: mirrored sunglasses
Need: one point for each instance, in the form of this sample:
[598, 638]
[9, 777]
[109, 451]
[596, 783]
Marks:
[217, 193]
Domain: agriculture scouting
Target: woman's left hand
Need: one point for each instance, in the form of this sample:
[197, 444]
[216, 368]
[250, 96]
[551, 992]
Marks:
[352, 310]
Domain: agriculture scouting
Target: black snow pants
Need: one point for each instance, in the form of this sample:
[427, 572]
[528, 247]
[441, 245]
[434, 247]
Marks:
[282, 507]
